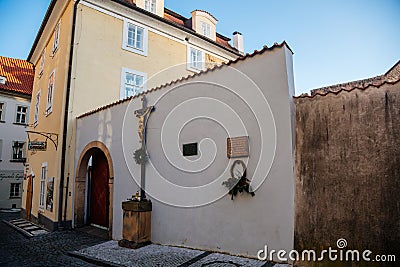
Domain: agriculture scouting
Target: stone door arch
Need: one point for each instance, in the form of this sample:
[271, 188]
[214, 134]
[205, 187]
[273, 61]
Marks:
[99, 150]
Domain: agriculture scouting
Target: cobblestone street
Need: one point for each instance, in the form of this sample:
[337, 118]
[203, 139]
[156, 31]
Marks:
[67, 248]
[46, 250]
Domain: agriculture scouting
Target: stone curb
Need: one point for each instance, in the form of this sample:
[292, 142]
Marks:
[22, 231]
[93, 260]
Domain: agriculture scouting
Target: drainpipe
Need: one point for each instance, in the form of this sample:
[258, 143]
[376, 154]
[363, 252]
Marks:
[64, 140]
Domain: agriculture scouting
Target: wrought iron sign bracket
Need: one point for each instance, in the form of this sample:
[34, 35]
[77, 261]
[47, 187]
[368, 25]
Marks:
[53, 137]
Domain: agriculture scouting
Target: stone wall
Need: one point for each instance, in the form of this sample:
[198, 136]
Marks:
[348, 171]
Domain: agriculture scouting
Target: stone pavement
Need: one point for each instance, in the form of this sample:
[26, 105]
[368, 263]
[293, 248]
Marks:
[75, 248]
[110, 254]
[44, 250]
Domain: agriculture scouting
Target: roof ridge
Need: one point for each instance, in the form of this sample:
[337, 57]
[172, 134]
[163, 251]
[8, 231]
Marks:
[159, 87]
[24, 60]
[390, 77]
[206, 13]
[349, 83]
[305, 95]
[392, 68]
[170, 11]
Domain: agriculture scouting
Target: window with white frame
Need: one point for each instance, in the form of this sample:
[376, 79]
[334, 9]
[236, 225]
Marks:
[2, 111]
[15, 190]
[206, 29]
[133, 83]
[56, 38]
[150, 5]
[18, 151]
[43, 185]
[42, 63]
[50, 93]
[135, 38]
[196, 59]
[21, 115]
[37, 105]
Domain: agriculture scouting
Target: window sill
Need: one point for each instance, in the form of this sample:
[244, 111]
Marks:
[194, 69]
[22, 124]
[19, 197]
[18, 160]
[135, 50]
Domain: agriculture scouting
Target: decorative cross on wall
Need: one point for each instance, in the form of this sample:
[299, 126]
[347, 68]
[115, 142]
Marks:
[140, 154]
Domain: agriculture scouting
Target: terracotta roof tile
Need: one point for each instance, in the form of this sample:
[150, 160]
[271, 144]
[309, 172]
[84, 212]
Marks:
[390, 77]
[242, 58]
[169, 16]
[19, 75]
[174, 19]
[185, 22]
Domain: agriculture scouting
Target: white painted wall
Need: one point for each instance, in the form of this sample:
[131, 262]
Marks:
[11, 172]
[251, 97]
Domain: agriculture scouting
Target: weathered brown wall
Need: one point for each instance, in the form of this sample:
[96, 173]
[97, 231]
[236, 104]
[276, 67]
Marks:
[348, 171]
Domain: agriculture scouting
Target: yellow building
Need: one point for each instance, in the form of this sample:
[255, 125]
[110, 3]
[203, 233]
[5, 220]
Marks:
[89, 53]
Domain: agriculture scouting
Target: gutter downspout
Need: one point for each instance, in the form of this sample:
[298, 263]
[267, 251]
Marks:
[64, 140]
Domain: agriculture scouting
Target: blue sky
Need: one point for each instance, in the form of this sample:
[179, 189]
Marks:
[333, 41]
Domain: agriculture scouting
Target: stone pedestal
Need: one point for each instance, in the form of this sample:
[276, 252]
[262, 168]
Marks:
[136, 231]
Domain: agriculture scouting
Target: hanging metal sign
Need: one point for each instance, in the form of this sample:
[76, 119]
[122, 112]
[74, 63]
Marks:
[37, 146]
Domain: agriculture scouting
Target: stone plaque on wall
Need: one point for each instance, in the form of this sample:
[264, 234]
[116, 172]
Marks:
[237, 147]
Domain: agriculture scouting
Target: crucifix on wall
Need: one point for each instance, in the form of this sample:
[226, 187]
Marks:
[140, 154]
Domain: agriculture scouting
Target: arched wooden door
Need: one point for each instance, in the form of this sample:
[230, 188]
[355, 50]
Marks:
[99, 193]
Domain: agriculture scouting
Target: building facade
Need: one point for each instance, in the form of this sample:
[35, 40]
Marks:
[16, 81]
[204, 130]
[92, 52]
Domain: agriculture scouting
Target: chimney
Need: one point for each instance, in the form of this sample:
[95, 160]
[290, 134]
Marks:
[238, 42]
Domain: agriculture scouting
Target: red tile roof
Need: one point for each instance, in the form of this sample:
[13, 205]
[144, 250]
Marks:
[170, 17]
[19, 74]
[242, 58]
[185, 22]
[174, 19]
[390, 77]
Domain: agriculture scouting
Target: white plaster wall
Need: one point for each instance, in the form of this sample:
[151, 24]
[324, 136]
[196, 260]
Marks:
[242, 226]
[10, 132]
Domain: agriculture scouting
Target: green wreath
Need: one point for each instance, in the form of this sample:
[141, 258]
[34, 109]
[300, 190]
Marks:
[238, 184]
[140, 156]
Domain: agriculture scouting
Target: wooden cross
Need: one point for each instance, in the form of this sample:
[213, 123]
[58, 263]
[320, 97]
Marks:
[143, 115]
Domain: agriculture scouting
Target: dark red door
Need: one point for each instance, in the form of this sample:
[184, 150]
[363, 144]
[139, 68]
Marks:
[99, 193]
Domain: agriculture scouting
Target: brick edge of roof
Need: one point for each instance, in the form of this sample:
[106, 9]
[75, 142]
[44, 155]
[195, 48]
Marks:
[362, 84]
[362, 88]
[7, 91]
[191, 76]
